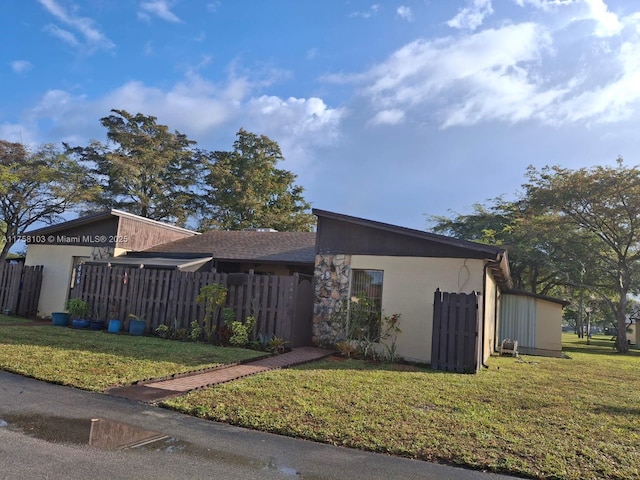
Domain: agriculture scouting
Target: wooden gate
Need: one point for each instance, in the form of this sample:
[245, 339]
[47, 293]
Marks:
[20, 289]
[454, 342]
[302, 314]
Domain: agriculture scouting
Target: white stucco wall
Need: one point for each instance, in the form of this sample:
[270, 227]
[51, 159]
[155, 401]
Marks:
[489, 305]
[548, 326]
[56, 276]
[409, 284]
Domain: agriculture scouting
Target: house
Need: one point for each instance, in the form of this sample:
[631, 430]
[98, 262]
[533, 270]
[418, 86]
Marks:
[534, 321]
[400, 270]
[63, 248]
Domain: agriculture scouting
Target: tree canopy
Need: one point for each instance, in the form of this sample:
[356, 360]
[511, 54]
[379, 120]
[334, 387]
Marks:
[245, 189]
[603, 205]
[147, 170]
[144, 169]
[36, 187]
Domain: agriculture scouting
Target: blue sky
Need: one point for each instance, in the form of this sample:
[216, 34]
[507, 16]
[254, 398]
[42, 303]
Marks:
[389, 111]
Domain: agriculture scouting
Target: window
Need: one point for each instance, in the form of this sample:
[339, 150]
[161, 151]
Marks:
[365, 310]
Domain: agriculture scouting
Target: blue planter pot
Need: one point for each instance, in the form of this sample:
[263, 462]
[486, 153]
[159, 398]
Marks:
[97, 325]
[79, 323]
[114, 325]
[60, 319]
[137, 327]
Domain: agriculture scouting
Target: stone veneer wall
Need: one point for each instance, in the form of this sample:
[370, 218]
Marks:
[332, 277]
[101, 253]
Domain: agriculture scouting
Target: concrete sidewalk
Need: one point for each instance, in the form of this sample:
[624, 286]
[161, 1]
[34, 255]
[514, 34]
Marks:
[153, 391]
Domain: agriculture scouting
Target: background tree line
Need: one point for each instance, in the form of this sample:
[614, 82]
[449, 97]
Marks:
[570, 234]
[146, 169]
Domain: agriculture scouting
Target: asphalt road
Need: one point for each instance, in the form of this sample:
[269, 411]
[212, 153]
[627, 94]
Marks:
[45, 431]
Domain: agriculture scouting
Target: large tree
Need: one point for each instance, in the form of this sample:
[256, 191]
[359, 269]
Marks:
[145, 168]
[535, 242]
[549, 252]
[603, 205]
[245, 189]
[36, 187]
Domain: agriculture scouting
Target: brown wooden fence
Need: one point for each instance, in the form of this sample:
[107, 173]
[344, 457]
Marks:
[169, 297]
[20, 289]
[454, 342]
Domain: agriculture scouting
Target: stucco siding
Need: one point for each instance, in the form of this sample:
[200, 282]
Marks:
[488, 308]
[548, 325]
[57, 261]
[56, 275]
[408, 287]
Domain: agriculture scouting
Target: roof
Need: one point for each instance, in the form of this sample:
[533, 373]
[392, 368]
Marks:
[97, 217]
[564, 303]
[490, 250]
[277, 247]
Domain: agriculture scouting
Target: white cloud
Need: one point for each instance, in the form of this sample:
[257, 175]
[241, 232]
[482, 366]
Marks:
[388, 117]
[372, 12]
[214, 6]
[614, 101]
[19, 133]
[299, 125]
[505, 74]
[21, 66]
[471, 17]
[607, 23]
[158, 8]
[199, 108]
[405, 13]
[65, 35]
[93, 37]
[545, 4]
[471, 66]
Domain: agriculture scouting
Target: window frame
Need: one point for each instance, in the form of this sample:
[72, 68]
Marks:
[370, 292]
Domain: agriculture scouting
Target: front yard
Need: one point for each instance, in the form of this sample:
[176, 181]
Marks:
[94, 360]
[536, 417]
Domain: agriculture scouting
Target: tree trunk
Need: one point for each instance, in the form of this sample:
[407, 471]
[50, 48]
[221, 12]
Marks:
[5, 252]
[621, 323]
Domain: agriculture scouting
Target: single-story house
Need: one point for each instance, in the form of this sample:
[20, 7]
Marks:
[401, 269]
[63, 248]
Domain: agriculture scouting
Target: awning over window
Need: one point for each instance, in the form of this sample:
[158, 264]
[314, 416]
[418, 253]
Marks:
[184, 264]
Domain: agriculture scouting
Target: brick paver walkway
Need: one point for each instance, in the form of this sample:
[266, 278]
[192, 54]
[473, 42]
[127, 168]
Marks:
[154, 391]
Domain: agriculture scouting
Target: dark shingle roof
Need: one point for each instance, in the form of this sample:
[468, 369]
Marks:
[288, 247]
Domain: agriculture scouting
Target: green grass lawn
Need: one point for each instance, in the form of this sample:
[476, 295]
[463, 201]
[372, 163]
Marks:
[5, 320]
[575, 418]
[96, 360]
